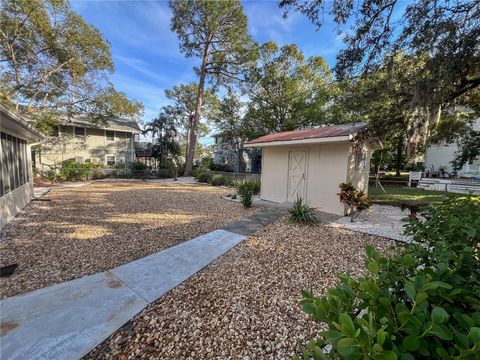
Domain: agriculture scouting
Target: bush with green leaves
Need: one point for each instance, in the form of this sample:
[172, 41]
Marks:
[419, 303]
[77, 171]
[204, 177]
[218, 180]
[301, 212]
[254, 186]
[138, 169]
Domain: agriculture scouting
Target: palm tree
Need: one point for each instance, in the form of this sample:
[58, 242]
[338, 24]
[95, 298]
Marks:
[164, 131]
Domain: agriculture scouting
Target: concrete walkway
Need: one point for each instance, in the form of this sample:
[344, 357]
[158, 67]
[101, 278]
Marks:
[381, 220]
[67, 320]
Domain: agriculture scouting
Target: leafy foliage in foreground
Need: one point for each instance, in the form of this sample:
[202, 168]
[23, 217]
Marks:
[420, 303]
[301, 212]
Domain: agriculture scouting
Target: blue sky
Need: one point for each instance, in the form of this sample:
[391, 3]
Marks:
[146, 53]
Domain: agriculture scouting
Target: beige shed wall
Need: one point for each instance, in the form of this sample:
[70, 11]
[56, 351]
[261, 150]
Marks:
[326, 169]
[94, 144]
[359, 177]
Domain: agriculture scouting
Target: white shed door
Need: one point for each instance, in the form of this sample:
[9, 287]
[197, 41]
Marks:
[297, 162]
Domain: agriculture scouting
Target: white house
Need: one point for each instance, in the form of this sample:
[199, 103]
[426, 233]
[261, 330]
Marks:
[311, 163]
[438, 158]
[16, 180]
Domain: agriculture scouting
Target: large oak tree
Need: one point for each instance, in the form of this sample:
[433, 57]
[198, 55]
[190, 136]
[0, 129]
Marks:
[443, 34]
[54, 63]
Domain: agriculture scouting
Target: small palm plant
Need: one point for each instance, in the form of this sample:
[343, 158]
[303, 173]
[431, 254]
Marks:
[301, 212]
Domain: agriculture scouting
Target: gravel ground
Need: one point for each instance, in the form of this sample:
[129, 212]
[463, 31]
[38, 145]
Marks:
[381, 220]
[93, 228]
[245, 304]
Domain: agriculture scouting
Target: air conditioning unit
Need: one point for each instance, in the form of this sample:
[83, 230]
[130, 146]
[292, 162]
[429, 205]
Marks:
[94, 160]
[79, 159]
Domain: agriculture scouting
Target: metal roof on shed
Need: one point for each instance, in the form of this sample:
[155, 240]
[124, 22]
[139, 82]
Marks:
[312, 133]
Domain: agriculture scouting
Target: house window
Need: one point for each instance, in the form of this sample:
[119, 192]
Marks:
[110, 160]
[79, 131]
[110, 135]
[79, 159]
[360, 157]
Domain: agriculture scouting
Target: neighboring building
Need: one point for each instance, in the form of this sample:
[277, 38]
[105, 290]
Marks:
[16, 179]
[81, 140]
[438, 158]
[311, 164]
[224, 155]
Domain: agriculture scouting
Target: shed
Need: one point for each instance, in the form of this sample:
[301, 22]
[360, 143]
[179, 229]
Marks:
[311, 163]
[16, 180]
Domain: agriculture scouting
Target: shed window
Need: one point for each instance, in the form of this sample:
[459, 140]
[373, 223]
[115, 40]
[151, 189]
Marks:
[360, 157]
[110, 159]
[79, 131]
[110, 135]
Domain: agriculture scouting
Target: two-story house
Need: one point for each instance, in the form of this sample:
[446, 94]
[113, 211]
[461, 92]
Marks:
[81, 140]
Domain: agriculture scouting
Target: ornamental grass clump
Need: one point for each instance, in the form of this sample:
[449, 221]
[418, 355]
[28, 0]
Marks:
[301, 212]
[422, 302]
[356, 200]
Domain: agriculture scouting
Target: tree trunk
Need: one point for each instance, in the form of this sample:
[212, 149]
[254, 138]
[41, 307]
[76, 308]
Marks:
[196, 119]
[399, 156]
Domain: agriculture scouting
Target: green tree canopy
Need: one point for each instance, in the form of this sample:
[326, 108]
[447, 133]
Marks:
[287, 91]
[53, 61]
[229, 121]
[443, 35]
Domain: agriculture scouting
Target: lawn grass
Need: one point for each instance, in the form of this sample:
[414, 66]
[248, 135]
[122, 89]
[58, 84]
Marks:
[404, 195]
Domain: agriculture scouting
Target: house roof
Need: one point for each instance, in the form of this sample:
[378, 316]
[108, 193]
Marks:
[113, 123]
[332, 133]
[12, 122]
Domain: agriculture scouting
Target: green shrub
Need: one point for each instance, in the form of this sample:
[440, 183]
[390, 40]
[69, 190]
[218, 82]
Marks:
[254, 186]
[420, 303]
[302, 213]
[218, 180]
[138, 169]
[204, 177]
[137, 166]
[76, 171]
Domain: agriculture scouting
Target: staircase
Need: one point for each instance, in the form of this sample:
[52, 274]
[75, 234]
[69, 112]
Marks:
[453, 186]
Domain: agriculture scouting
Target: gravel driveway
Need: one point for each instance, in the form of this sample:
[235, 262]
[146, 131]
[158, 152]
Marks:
[245, 304]
[85, 230]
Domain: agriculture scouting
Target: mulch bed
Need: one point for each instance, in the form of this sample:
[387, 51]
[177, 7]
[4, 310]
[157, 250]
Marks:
[245, 304]
[90, 229]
